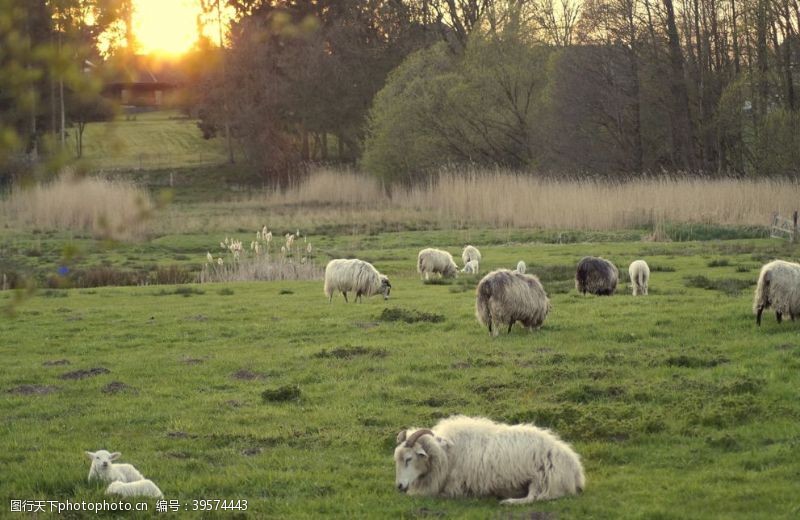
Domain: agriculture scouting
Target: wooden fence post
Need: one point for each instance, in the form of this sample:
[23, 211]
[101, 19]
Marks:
[794, 227]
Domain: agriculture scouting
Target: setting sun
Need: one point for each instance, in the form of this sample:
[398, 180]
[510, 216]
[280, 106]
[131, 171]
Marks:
[165, 26]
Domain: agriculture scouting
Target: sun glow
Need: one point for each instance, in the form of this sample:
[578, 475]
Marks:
[165, 26]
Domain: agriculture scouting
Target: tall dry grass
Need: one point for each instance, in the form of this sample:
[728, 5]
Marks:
[105, 208]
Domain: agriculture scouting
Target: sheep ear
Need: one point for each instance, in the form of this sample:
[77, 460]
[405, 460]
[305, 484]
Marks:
[444, 443]
[422, 453]
[401, 437]
[90, 454]
[116, 455]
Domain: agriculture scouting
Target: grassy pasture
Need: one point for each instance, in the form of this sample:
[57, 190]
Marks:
[678, 404]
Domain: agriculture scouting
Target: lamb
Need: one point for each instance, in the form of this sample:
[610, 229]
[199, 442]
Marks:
[471, 253]
[639, 272]
[505, 296]
[432, 261]
[778, 287]
[355, 275]
[597, 276]
[474, 456]
[521, 267]
[103, 469]
[471, 267]
[140, 488]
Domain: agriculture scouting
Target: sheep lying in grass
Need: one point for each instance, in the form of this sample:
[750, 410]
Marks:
[355, 275]
[466, 456]
[140, 488]
[639, 272]
[597, 276]
[471, 267]
[778, 287]
[504, 297]
[432, 261]
[471, 253]
[104, 469]
[521, 267]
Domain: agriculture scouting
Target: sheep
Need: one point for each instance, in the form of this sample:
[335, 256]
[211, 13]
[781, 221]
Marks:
[778, 287]
[103, 469]
[471, 253]
[505, 296]
[521, 267]
[140, 488]
[431, 260]
[474, 456]
[597, 276]
[347, 275]
[639, 272]
[471, 267]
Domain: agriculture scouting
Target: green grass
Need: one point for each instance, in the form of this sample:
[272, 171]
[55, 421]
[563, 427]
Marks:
[678, 404]
[152, 140]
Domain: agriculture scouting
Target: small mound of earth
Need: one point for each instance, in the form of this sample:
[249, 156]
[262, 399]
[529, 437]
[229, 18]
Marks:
[82, 374]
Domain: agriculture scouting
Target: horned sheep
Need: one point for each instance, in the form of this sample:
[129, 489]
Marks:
[470, 253]
[596, 276]
[505, 297]
[778, 287]
[471, 267]
[639, 272]
[466, 456]
[353, 275]
[140, 488]
[104, 469]
[433, 261]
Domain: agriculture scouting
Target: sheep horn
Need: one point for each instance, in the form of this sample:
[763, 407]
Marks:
[416, 435]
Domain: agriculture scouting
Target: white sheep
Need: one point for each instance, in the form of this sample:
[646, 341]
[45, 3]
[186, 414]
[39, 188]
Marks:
[471, 253]
[521, 267]
[466, 456]
[597, 276]
[504, 297]
[639, 272]
[432, 261]
[104, 469]
[140, 488]
[778, 287]
[471, 267]
[346, 275]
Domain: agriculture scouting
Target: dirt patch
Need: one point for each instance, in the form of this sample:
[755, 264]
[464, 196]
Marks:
[246, 375]
[33, 389]
[83, 374]
[281, 394]
[56, 362]
[366, 324]
[694, 362]
[192, 361]
[180, 435]
[409, 316]
[115, 387]
[199, 317]
[351, 352]
[233, 403]
[249, 452]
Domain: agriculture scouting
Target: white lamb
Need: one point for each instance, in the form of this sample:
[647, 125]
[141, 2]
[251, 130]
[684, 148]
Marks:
[521, 267]
[471, 253]
[466, 456]
[104, 469]
[140, 488]
[639, 272]
[346, 275]
[471, 267]
[432, 261]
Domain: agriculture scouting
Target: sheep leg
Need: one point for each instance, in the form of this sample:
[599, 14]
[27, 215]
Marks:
[778, 316]
[358, 297]
[510, 324]
[758, 315]
[345, 296]
[534, 494]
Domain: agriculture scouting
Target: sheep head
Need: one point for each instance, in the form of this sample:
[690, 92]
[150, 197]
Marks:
[417, 457]
[386, 287]
[101, 459]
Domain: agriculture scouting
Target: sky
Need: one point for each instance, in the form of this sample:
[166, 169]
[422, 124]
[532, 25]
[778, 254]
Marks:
[168, 26]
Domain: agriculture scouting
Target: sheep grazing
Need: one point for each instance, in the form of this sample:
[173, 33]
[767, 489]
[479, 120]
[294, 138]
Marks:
[357, 276]
[104, 469]
[433, 261]
[778, 287]
[597, 276]
[470, 253]
[466, 456]
[471, 267]
[521, 267]
[639, 272]
[140, 488]
[505, 297]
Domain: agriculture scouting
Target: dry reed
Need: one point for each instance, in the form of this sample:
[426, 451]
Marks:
[105, 208]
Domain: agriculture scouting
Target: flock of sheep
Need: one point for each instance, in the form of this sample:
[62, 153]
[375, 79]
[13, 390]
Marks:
[474, 456]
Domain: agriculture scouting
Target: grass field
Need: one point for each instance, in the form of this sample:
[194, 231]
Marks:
[678, 404]
[152, 140]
